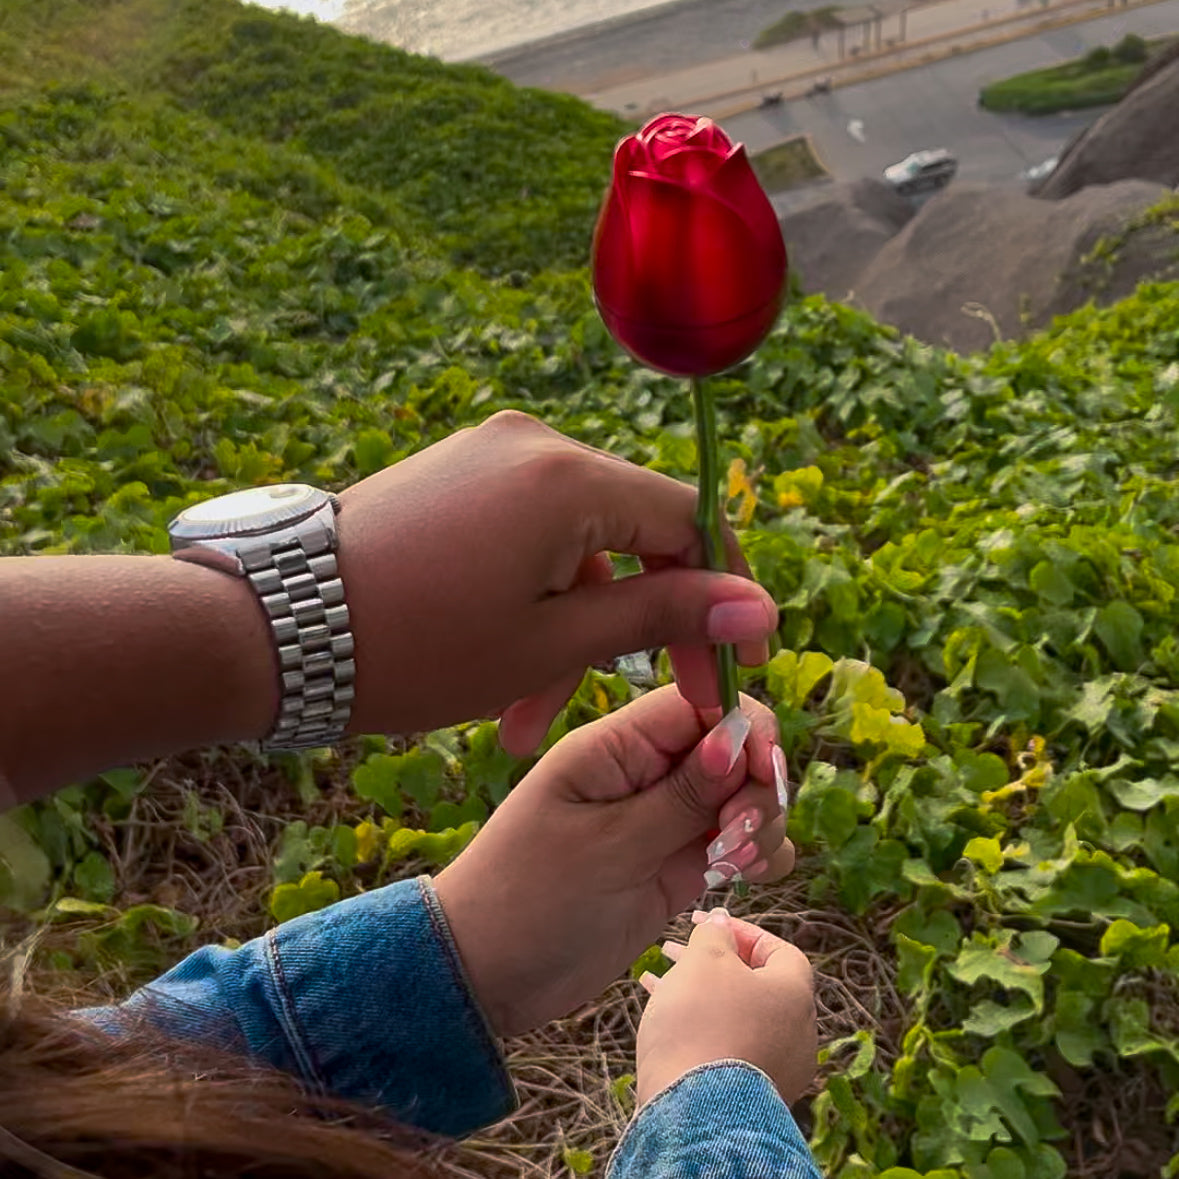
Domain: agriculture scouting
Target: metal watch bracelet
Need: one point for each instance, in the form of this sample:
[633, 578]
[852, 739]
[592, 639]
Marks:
[299, 586]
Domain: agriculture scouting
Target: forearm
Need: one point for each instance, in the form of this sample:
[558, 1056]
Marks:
[109, 659]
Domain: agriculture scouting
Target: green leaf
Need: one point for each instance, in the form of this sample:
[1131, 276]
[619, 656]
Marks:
[1050, 583]
[94, 878]
[1078, 1033]
[1137, 947]
[988, 1018]
[987, 852]
[1017, 696]
[1119, 626]
[580, 1162]
[24, 868]
[1142, 795]
[622, 1090]
[651, 959]
[421, 775]
[377, 780]
[791, 678]
[488, 766]
[915, 963]
[312, 893]
[1008, 962]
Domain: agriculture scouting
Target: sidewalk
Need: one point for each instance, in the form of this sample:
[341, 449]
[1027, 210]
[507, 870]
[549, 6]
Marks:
[933, 30]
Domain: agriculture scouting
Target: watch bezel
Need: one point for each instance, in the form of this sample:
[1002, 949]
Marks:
[274, 517]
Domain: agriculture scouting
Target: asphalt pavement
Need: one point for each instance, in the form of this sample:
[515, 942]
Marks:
[859, 130]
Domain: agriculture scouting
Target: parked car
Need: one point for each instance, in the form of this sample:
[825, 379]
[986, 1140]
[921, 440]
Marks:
[923, 171]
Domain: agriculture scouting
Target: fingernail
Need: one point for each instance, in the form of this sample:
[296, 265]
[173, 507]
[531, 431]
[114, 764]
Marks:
[699, 916]
[648, 981]
[719, 917]
[727, 739]
[719, 873]
[781, 781]
[743, 856]
[738, 622]
[735, 834]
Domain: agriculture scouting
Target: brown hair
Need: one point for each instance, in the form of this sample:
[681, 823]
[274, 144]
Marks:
[77, 1103]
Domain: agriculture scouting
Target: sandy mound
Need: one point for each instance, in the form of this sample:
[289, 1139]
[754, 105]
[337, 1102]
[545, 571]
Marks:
[1139, 138]
[831, 242]
[1020, 259]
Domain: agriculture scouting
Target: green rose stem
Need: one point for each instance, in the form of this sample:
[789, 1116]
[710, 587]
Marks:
[708, 521]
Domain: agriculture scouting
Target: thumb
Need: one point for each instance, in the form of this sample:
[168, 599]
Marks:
[593, 623]
[683, 805]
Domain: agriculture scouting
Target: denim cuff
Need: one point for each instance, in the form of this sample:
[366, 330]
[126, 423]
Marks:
[722, 1120]
[364, 1000]
[377, 1004]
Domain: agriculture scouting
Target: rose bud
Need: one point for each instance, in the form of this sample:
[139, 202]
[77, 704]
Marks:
[688, 261]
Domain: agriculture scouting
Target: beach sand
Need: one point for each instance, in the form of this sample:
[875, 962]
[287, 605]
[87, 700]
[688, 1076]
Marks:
[674, 36]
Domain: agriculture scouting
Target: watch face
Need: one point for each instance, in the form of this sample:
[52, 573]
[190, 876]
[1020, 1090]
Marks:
[257, 509]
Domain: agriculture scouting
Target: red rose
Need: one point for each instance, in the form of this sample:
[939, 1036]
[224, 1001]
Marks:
[689, 265]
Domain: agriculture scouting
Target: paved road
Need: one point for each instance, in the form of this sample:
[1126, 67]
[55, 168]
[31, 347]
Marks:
[937, 106]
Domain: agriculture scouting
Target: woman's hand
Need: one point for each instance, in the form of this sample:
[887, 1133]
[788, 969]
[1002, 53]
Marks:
[479, 583]
[735, 992]
[583, 865]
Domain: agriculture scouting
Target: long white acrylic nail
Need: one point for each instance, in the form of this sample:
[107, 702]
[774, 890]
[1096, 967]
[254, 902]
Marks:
[737, 726]
[718, 873]
[781, 783]
[733, 836]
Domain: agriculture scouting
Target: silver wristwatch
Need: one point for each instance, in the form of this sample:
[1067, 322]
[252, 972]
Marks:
[282, 539]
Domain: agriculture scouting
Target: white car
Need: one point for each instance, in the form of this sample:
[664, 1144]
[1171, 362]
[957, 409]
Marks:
[922, 171]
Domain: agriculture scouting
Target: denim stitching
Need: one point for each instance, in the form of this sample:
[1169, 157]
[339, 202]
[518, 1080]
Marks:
[289, 1020]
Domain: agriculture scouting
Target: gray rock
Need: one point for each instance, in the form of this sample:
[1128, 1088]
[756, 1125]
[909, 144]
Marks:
[1138, 138]
[832, 241]
[977, 261]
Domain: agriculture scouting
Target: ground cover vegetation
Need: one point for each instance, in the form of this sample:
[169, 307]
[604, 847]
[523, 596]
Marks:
[796, 25]
[787, 165]
[237, 248]
[1099, 78]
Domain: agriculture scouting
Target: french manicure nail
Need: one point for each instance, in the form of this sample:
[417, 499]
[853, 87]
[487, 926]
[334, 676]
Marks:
[742, 856]
[781, 781]
[735, 728]
[718, 873]
[735, 834]
[719, 917]
[738, 622]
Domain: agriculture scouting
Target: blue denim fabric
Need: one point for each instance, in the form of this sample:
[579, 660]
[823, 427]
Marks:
[367, 1000]
[723, 1120]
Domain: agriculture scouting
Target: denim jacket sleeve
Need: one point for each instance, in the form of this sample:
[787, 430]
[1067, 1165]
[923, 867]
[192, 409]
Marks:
[723, 1120]
[366, 1000]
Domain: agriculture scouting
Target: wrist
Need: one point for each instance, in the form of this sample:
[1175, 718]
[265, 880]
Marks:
[236, 652]
[462, 918]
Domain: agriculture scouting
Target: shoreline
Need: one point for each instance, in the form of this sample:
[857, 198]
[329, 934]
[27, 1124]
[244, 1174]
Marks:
[675, 35]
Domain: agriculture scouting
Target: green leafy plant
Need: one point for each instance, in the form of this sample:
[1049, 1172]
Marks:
[974, 558]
